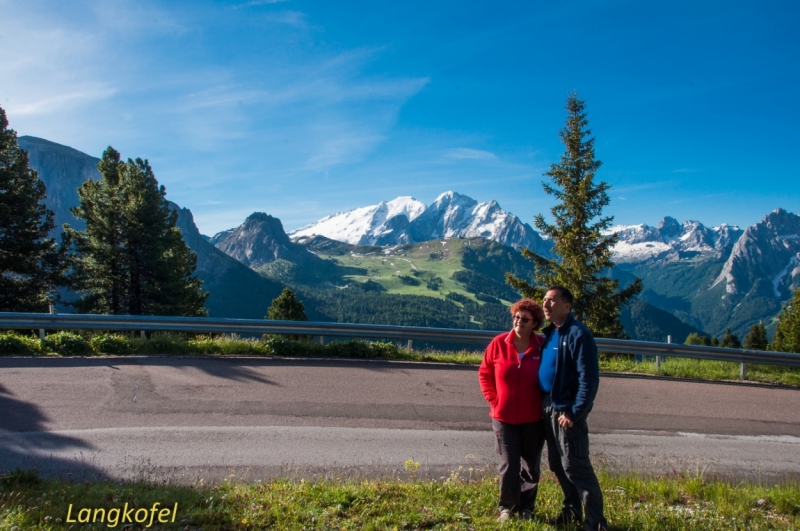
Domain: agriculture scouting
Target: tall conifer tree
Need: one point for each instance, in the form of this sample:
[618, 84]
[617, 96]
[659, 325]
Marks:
[583, 252]
[787, 334]
[132, 259]
[32, 264]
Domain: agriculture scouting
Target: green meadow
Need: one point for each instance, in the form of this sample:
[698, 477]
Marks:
[463, 501]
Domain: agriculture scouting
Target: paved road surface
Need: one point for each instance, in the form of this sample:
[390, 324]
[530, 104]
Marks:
[187, 418]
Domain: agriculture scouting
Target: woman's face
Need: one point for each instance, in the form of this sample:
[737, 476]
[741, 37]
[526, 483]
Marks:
[523, 323]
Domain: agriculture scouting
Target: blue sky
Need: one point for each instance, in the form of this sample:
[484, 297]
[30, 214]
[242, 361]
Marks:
[302, 108]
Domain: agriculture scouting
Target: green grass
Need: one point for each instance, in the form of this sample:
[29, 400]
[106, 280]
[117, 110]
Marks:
[461, 501]
[700, 369]
[422, 261]
[88, 343]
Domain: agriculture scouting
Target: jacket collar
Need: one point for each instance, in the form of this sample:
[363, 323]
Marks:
[535, 343]
[561, 329]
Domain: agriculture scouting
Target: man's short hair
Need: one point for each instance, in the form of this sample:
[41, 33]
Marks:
[564, 293]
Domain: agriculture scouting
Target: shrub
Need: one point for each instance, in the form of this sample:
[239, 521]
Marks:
[113, 344]
[165, 343]
[409, 281]
[67, 344]
[284, 346]
[11, 343]
[360, 350]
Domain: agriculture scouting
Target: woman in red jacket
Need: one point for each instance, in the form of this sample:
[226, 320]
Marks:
[509, 377]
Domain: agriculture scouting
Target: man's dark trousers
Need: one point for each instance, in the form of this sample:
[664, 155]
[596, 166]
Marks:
[520, 448]
[568, 457]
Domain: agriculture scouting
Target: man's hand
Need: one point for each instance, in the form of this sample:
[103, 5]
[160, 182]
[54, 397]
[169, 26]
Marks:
[564, 422]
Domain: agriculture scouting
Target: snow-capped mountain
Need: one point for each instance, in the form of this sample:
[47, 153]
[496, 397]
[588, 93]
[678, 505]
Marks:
[768, 250]
[372, 225]
[672, 241]
[406, 220]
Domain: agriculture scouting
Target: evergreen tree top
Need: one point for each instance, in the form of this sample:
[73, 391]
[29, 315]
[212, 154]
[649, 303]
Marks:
[584, 252]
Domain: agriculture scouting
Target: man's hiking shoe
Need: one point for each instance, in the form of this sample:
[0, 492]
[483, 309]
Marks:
[564, 519]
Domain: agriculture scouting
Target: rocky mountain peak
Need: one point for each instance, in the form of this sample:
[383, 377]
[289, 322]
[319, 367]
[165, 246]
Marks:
[259, 240]
[770, 249]
[669, 227]
[63, 170]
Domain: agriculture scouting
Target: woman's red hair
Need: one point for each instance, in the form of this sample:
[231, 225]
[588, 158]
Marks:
[530, 306]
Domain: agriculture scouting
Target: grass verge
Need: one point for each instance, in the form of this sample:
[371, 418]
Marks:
[99, 343]
[632, 502]
[700, 369]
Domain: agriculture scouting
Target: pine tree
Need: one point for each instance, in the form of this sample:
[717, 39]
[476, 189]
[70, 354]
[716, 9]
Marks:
[787, 334]
[286, 307]
[32, 265]
[696, 339]
[131, 258]
[730, 340]
[756, 338]
[583, 252]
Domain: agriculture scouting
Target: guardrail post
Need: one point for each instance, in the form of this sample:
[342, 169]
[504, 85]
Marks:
[42, 333]
[410, 346]
[143, 335]
[322, 340]
[743, 371]
[658, 358]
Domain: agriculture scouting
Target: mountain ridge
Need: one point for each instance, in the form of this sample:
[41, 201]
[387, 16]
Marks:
[710, 278]
[405, 220]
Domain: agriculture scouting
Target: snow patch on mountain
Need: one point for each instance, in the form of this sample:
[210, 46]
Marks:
[671, 240]
[365, 225]
[406, 220]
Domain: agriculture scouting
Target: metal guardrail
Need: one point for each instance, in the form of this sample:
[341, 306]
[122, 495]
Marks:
[239, 326]
[45, 321]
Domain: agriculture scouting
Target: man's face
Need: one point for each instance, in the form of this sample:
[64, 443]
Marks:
[555, 308]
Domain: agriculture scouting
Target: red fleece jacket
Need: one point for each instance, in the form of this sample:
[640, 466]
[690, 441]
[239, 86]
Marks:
[511, 385]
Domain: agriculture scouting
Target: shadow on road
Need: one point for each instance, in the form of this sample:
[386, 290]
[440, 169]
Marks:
[236, 369]
[25, 443]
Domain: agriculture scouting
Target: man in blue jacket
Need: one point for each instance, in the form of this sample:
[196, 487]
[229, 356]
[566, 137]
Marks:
[569, 375]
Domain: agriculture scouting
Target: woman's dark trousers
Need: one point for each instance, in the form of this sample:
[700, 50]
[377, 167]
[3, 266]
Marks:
[520, 448]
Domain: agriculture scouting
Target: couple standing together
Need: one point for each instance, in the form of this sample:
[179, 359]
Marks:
[541, 389]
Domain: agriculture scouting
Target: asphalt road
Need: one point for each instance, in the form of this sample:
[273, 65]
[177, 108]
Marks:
[190, 418]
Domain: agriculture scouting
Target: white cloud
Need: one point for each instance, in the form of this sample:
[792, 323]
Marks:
[268, 118]
[337, 145]
[469, 154]
[256, 3]
[290, 18]
[55, 102]
[685, 170]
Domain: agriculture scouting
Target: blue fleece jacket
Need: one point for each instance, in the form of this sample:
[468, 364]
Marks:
[577, 369]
